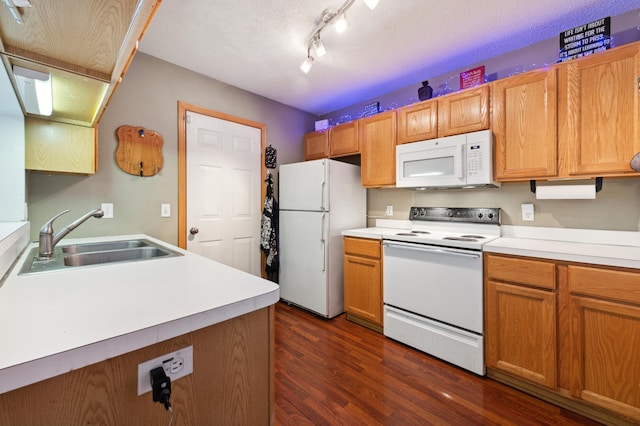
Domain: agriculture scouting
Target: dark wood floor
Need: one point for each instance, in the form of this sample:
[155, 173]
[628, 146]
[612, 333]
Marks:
[335, 372]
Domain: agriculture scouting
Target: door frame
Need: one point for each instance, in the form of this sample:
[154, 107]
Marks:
[183, 108]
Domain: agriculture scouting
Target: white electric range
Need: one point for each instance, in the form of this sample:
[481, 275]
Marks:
[433, 284]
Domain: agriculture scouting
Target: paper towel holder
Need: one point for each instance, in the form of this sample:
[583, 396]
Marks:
[532, 184]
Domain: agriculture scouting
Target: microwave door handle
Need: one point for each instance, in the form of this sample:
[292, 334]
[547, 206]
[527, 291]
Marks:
[462, 162]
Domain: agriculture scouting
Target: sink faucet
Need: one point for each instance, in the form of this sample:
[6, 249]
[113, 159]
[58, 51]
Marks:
[48, 241]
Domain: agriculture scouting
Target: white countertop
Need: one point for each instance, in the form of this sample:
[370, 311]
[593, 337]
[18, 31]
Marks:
[384, 227]
[55, 322]
[611, 248]
[600, 247]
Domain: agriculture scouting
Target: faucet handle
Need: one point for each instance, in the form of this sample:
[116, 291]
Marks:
[48, 226]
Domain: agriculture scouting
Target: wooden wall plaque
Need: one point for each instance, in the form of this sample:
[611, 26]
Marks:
[139, 151]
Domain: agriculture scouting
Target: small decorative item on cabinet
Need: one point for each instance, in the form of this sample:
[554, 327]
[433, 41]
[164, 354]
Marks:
[425, 92]
[139, 151]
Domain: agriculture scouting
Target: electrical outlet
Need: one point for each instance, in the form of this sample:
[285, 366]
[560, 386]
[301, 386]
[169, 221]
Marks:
[527, 212]
[389, 211]
[175, 364]
[165, 210]
[107, 208]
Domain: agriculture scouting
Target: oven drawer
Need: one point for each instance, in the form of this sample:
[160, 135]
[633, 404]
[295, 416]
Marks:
[451, 344]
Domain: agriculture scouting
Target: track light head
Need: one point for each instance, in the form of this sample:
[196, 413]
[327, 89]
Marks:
[341, 23]
[306, 65]
[318, 46]
[371, 3]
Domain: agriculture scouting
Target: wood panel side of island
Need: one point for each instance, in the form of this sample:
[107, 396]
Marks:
[231, 383]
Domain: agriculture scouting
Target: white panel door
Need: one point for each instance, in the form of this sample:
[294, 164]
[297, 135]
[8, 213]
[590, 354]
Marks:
[303, 259]
[223, 191]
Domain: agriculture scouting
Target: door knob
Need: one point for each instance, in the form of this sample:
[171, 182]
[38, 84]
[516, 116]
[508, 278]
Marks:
[193, 231]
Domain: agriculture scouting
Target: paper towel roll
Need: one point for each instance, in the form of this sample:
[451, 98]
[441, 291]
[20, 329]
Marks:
[566, 192]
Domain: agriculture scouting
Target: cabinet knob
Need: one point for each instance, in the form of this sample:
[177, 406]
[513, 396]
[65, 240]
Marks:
[194, 231]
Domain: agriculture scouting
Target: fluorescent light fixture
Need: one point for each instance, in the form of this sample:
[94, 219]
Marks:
[318, 46]
[306, 65]
[341, 23]
[371, 3]
[34, 88]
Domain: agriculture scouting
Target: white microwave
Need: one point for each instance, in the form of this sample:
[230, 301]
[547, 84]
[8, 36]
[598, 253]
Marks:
[460, 161]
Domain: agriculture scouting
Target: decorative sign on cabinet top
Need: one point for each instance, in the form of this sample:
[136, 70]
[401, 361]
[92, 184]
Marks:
[586, 39]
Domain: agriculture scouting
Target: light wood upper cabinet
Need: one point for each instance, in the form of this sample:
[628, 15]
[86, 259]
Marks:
[524, 110]
[599, 114]
[464, 112]
[59, 147]
[316, 145]
[343, 139]
[418, 122]
[363, 281]
[378, 149]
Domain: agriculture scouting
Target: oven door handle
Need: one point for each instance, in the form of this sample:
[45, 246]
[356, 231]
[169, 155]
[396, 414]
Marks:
[432, 250]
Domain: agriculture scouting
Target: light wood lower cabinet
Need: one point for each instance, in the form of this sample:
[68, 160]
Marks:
[605, 344]
[521, 318]
[363, 281]
[566, 332]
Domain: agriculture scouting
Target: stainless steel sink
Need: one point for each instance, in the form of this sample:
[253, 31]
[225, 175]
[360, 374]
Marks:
[106, 245]
[95, 254]
[110, 256]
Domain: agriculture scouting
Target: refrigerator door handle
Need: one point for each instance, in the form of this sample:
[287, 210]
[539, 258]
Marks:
[322, 240]
[322, 191]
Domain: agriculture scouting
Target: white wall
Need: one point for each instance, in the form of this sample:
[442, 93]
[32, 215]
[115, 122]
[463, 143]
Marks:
[12, 175]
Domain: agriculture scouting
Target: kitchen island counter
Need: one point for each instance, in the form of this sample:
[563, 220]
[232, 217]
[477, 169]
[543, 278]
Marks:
[55, 322]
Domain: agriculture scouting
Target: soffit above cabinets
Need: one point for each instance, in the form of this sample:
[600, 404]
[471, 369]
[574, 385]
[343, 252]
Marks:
[86, 46]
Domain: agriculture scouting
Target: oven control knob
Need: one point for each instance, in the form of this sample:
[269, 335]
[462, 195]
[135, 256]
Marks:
[490, 215]
[480, 215]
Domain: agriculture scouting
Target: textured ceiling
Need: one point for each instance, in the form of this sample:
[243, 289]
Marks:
[258, 45]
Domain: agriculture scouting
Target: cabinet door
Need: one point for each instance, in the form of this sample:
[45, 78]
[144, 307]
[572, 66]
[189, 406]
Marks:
[316, 145]
[418, 122]
[605, 354]
[56, 147]
[362, 289]
[600, 113]
[521, 332]
[464, 112]
[524, 125]
[343, 139]
[378, 149]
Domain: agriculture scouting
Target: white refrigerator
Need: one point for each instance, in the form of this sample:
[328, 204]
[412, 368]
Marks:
[318, 200]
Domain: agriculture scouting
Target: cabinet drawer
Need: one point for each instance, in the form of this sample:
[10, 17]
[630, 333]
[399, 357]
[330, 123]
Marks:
[362, 247]
[535, 273]
[605, 283]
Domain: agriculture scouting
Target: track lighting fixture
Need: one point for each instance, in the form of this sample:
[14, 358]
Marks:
[329, 16]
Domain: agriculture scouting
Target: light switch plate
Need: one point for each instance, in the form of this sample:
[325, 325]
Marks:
[107, 208]
[165, 210]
